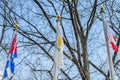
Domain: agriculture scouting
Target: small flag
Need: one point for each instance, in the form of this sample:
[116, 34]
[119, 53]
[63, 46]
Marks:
[59, 48]
[9, 69]
[13, 48]
[112, 39]
[59, 62]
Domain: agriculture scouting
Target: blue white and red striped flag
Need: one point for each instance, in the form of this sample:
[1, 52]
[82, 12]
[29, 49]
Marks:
[10, 65]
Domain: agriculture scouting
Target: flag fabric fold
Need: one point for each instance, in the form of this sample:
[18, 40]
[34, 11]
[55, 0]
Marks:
[10, 65]
[59, 48]
[59, 62]
[112, 39]
[13, 48]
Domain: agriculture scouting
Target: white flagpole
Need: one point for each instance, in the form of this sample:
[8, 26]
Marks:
[112, 72]
[55, 72]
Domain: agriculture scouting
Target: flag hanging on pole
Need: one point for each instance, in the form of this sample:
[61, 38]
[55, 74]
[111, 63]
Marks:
[10, 65]
[59, 48]
[112, 39]
[59, 62]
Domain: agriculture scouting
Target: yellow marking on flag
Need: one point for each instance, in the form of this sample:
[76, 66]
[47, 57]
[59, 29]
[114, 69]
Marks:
[59, 41]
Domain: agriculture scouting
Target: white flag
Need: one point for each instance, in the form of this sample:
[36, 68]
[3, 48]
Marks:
[112, 39]
[59, 62]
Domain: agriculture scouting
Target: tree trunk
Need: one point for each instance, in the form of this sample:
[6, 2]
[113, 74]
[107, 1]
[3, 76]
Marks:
[85, 59]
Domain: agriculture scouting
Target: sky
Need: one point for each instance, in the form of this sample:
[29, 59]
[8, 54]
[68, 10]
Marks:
[96, 41]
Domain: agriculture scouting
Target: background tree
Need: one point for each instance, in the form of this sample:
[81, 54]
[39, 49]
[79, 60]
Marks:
[85, 51]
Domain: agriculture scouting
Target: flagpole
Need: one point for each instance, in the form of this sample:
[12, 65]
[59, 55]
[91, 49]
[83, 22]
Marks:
[112, 72]
[56, 68]
[55, 72]
[15, 31]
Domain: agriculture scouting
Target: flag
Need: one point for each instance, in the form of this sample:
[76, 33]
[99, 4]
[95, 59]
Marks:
[59, 48]
[59, 62]
[13, 48]
[112, 39]
[9, 68]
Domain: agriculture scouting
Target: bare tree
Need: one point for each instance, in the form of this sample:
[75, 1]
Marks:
[84, 51]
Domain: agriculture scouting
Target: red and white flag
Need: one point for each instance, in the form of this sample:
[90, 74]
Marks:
[111, 39]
